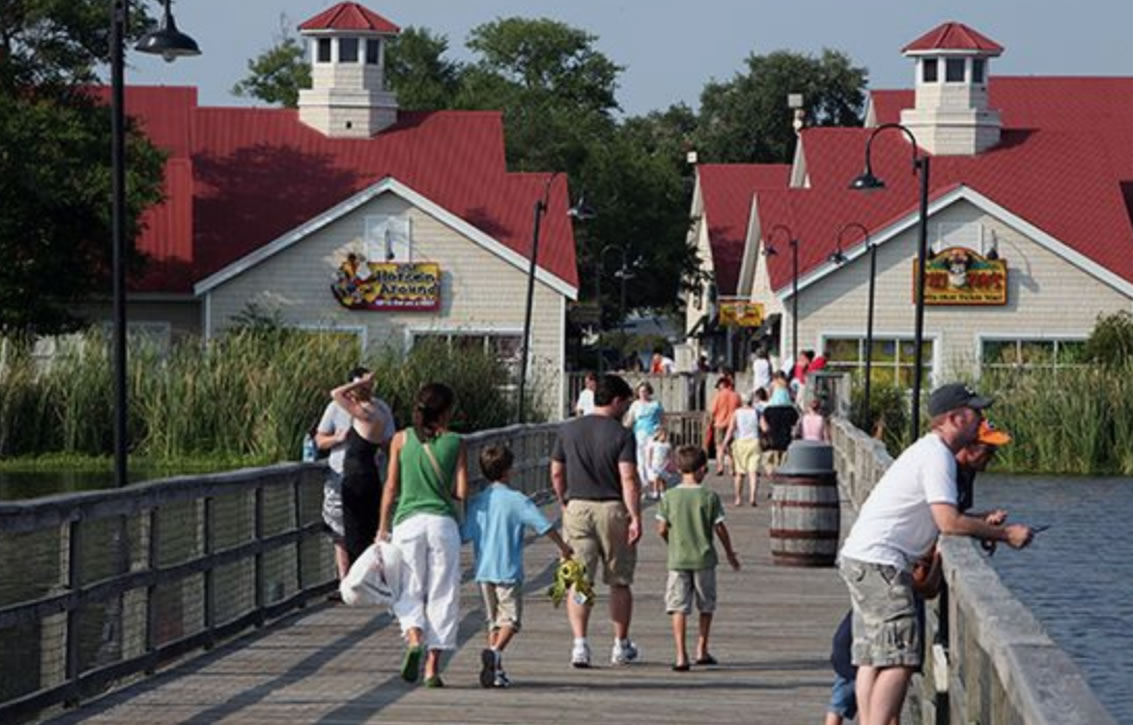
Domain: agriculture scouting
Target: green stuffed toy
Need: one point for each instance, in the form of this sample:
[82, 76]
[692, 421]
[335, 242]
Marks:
[571, 574]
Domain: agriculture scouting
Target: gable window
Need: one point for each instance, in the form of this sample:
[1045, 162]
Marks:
[978, 70]
[954, 70]
[389, 239]
[373, 51]
[347, 50]
[322, 52]
[929, 71]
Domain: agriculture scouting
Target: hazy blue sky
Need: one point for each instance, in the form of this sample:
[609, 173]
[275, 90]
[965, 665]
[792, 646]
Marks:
[671, 48]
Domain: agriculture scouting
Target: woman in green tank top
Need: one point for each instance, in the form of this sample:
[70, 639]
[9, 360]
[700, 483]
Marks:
[428, 476]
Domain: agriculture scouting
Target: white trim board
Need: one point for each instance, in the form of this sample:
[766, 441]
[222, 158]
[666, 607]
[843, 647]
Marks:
[1024, 227]
[393, 186]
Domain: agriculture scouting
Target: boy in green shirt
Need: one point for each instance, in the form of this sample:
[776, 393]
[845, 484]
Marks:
[687, 517]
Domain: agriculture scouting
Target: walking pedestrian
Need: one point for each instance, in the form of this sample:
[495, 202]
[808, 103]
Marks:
[428, 476]
[814, 426]
[645, 416]
[364, 437]
[742, 438]
[594, 476]
[724, 403]
[914, 502]
[777, 423]
[761, 369]
[585, 404]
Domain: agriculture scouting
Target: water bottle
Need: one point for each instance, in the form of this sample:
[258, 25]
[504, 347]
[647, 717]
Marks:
[310, 452]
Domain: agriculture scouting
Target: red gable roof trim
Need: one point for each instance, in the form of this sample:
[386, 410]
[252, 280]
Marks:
[953, 36]
[390, 185]
[350, 16]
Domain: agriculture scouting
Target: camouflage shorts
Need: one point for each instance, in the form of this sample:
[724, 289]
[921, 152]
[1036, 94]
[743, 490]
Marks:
[885, 627]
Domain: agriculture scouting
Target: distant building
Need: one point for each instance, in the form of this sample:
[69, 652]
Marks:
[1030, 208]
[350, 214]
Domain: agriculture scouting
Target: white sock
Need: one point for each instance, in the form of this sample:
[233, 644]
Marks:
[579, 640]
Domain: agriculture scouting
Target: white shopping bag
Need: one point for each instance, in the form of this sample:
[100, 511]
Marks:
[375, 577]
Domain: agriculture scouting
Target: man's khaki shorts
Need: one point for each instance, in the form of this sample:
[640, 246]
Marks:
[684, 584]
[503, 604]
[597, 531]
[885, 616]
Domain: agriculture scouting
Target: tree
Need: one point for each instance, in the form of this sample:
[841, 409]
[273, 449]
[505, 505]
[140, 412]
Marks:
[746, 120]
[416, 68]
[55, 155]
[277, 74]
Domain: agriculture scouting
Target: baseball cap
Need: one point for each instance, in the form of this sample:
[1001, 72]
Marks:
[992, 436]
[951, 396]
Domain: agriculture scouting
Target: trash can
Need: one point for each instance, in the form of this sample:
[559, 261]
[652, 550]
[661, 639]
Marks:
[805, 513]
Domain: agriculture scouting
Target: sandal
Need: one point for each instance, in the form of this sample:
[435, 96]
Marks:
[411, 663]
[680, 667]
[434, 681]
[707, 660]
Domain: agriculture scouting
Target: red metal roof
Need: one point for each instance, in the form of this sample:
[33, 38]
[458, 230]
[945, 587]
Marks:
[237, 178]
[350, 16]
[953, 36]
[1062, 182]
[727, 192]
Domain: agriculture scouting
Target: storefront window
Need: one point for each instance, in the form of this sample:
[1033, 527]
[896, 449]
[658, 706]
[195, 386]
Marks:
[505, 346]
[1022, 354]
[893, 358]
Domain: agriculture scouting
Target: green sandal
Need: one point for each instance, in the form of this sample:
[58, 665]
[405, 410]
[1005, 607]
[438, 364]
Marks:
[434, 681]
[411, 663]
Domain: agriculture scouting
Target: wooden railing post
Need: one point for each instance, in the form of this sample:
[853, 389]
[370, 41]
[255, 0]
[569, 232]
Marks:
[296, 500]
[210, 573]
[258, 535]
[152, 554]
[74, 582]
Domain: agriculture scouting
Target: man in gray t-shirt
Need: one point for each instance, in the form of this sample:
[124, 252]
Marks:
[331, 434]
[594, 475]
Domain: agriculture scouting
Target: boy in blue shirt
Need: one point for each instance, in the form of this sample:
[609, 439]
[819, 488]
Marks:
[495, 523]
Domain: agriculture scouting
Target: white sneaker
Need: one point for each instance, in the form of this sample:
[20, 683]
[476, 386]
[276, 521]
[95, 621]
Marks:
[623, 654]
[502, 680]
[580, 655]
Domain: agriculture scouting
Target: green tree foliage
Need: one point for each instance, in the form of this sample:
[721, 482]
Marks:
[277, 74]
[416, 68]
[746, 119]
[1111, 341]
[55, 156]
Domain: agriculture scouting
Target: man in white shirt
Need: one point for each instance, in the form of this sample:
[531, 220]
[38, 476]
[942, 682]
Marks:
[914, 502]
[585, 404]
[331, 434]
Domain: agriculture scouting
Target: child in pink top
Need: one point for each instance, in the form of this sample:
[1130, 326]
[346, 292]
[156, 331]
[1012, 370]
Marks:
[813, 424]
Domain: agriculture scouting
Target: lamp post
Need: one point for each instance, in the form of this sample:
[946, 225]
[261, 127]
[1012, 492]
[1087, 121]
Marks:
[624, 273]
[868, 182]
[770, 251]
[839, 258]
[170, 43]
[578, 211]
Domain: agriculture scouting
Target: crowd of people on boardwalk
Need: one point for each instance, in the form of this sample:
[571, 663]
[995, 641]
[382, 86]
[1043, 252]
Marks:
[604, 462]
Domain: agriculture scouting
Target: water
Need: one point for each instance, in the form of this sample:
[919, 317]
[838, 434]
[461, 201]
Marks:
[23, 485]
[1077, 577]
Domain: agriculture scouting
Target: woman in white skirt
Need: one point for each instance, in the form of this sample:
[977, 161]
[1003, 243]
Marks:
[428, 475]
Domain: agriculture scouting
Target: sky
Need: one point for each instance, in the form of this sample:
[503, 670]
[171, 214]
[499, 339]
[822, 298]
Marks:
[671, 48]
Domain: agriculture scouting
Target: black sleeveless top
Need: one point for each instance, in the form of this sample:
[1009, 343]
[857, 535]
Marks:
[358, 459]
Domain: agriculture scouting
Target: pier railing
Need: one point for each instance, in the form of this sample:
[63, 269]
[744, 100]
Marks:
[101, 586]
[987, 659]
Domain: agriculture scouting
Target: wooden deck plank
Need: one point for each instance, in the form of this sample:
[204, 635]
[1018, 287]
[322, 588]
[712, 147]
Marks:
[339, 665]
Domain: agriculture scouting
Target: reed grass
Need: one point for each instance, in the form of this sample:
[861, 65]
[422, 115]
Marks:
[247, 396]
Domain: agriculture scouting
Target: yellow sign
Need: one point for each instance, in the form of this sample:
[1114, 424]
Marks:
[362, 285]
[741, 313]
[960, 276]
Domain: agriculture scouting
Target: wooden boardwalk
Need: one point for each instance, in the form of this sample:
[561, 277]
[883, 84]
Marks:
[333, 664]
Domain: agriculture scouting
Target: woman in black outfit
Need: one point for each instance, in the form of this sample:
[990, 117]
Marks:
[361, 484]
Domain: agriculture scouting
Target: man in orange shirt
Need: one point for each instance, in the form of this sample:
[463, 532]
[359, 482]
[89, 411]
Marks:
[726, 401]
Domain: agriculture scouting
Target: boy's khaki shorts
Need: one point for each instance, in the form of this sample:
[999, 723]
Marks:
[597, 531]
[683, 584]
[885, 616]
[503, 604]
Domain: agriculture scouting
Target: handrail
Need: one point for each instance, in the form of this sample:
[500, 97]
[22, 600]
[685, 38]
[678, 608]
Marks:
[170, 566]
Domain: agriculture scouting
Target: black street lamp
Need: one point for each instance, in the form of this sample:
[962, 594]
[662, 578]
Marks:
[624, 273]
[578, 211]
[839, 258]
[770, 251]
[868, 182]
[170, 43]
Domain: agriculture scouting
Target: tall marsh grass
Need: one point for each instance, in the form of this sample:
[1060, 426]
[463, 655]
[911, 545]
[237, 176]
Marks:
[249, 395]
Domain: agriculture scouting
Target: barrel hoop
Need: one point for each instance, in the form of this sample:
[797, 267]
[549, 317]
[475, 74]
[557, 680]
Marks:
[819, 483]
[798, 534]
[815, 560]
[806, 504]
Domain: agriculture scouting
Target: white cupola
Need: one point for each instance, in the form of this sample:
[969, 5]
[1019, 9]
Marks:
[348, 97]
[951, 116]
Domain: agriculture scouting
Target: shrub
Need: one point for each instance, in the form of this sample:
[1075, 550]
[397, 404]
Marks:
[1111, 341]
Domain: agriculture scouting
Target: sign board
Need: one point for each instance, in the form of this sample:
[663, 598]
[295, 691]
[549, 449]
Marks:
[741, 313]
[410, 286]
[960, 276]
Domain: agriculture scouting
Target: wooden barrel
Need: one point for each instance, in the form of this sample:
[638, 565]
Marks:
[804, 519]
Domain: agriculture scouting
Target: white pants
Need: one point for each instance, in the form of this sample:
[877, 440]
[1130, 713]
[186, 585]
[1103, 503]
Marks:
[643, 441]
[430, 588]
